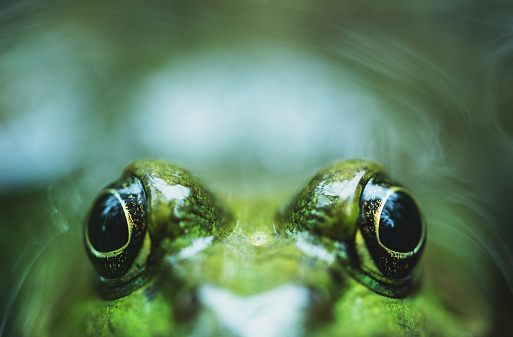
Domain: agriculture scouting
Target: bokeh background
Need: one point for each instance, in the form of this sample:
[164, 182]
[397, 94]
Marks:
[253, 96]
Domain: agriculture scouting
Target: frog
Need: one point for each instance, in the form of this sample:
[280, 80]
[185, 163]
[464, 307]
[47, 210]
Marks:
[341, 256]
[264, 88]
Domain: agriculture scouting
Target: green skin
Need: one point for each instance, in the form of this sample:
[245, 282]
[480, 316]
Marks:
[254, 251]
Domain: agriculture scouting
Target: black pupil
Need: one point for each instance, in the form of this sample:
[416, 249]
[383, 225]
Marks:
[400, 225]
[108, 227]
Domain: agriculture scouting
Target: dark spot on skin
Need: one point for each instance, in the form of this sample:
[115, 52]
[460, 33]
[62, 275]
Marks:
[319, 306]
[410, 331]
[150, 292]
[111, 327]
[322, 220]
[188, 304]
[336, 277]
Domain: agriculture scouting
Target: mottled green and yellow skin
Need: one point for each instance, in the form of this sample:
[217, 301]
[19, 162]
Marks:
[209, 257]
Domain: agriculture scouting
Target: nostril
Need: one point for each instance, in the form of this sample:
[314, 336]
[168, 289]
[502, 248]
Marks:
[187, 304]
[320, 305]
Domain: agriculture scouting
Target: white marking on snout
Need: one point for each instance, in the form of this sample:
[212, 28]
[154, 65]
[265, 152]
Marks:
[276, 313]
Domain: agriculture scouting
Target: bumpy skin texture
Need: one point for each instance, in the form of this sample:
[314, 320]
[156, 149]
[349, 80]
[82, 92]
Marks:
[324, 203]
[180, 205]
[207, 268]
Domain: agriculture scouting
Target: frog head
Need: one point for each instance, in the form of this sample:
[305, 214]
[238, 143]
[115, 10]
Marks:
[341, 258]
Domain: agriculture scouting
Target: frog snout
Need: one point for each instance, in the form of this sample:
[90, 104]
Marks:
[282, 311]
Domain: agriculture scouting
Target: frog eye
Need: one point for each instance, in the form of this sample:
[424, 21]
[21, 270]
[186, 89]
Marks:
[392, 228]
[115, 229]
[377, 225]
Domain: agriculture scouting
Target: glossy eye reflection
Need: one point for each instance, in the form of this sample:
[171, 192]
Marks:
[392, 227]
[400, 224]
[108, 226]
[115, 228]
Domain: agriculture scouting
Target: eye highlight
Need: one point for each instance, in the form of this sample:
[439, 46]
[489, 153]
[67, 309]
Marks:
[108, 228]
[115, 229]
[400, 224]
